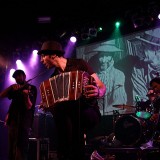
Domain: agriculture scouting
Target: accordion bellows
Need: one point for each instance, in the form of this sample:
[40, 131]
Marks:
[64, 87]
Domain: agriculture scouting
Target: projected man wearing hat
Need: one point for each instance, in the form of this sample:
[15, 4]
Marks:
[148, 65]
[112, 77]
[72, 118]
[20, 115]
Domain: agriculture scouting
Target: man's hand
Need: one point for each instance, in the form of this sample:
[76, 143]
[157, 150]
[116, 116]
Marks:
[27, 98]
[91, 91]
[15, 86]
[6, 91]
[26, 92]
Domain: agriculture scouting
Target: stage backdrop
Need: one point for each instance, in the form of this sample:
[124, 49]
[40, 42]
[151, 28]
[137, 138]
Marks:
[126, 65]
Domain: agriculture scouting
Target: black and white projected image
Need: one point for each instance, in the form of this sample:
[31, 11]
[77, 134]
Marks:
[148, 65]
[126, 65]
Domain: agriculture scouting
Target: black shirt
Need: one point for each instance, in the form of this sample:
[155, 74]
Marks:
[18, 112]
[80, 65]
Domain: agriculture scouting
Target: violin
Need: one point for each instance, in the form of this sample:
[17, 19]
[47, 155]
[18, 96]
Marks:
[25, 86]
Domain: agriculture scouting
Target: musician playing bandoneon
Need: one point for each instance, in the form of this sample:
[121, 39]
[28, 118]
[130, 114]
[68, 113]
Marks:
[72, 118]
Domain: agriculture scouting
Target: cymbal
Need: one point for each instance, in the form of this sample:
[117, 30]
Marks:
[123, 106]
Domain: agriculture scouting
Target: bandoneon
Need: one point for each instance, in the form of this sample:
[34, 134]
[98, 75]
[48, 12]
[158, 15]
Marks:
[64, 87]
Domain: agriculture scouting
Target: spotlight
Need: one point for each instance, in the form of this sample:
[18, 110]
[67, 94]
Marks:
[11, 79]
[92, 32]
[85, 36]
[34, 52]
[18, 61]
[138, 22]
[44, 19]
[100, 29]
[148, 20]
[73, 39]
[12, 71]
[117, 24]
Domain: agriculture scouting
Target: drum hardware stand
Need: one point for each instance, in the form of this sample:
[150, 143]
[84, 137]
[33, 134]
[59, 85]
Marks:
[45, 125]
[104, 105]
[116, 87]
[116, 114]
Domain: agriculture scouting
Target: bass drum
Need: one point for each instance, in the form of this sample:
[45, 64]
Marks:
[131, 131]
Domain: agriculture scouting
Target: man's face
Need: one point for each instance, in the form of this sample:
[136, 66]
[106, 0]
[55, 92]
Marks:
[20, 79]
[47, 60]
[156, 87]
[151, 95]
[151, 55]
[105, 61]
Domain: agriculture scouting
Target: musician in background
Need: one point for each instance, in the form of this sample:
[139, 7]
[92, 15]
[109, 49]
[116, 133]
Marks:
[155, 85]
[20, 115]
[72, 118]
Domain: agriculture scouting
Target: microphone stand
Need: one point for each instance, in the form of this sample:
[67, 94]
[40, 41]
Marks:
[116, 87]
[37, 76]
[22, 87]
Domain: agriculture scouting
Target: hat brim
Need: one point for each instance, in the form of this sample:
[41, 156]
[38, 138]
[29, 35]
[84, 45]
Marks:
[107, 48]
[146, 41]
[50, 52]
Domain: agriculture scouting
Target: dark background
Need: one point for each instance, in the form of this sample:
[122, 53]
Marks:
[20, 24]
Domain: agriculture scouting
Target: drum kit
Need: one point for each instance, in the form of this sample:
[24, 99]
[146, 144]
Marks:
[130, 130]
[134, 129]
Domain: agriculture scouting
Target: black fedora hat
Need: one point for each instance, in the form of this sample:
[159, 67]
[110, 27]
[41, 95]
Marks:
[151, 37]
[51, 47]
[18, 72]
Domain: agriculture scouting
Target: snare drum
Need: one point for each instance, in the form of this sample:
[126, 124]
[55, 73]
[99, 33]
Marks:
[130, 130]
[144, 109]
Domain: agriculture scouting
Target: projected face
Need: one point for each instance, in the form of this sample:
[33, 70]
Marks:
[105, 61]
[151, 55]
